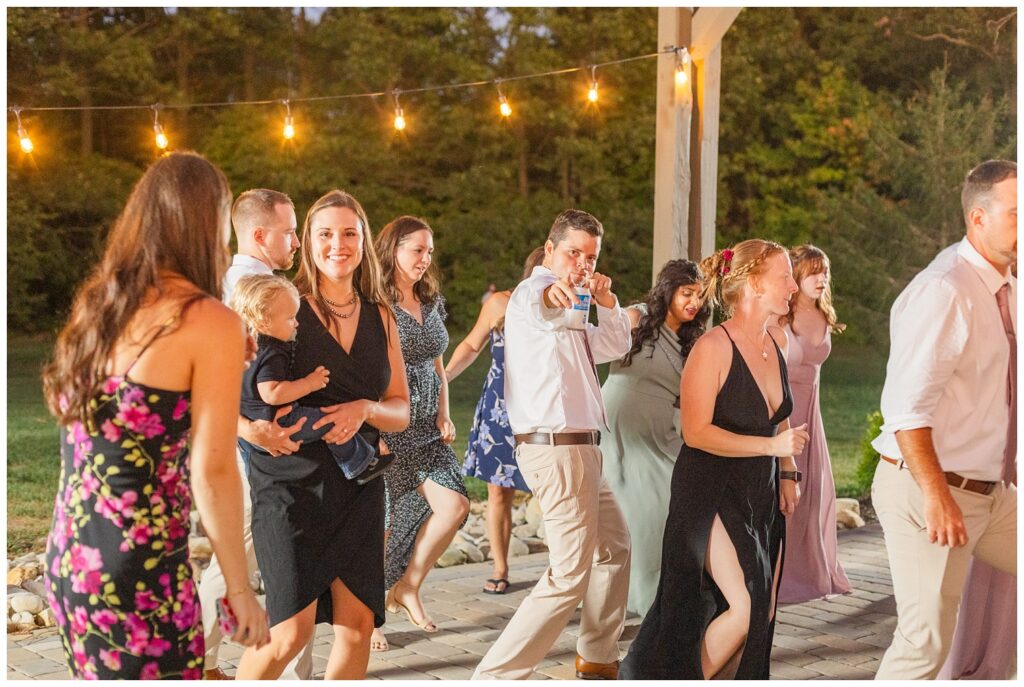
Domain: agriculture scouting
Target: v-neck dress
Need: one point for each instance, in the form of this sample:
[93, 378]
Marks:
[744, 493]
[812, 554]
[419, 452]
[310, 525]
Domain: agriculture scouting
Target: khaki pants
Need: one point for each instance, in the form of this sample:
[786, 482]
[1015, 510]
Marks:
[212, 587]
[589, 561]
[928, 579]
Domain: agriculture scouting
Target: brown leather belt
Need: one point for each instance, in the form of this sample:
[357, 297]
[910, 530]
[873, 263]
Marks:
[559, 438]
[954, 480]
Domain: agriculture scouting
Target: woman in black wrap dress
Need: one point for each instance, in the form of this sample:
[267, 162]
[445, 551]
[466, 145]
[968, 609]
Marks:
[319, 537]
[735, 478]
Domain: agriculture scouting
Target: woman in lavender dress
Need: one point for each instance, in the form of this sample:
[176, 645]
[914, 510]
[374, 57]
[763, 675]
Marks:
[490, 455]
[812, 564]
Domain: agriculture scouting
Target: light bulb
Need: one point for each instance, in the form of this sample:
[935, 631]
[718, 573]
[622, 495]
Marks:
[399, 119]
[681, 76]
[592, 93]
[289, 128]
[26, 142]
[160, 137]
[505, 108]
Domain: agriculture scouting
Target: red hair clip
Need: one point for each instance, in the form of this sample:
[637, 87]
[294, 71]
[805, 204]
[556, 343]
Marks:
[726, 260]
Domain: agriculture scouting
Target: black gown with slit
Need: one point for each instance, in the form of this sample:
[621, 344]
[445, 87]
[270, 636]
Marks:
[744, 493]
[311, 525]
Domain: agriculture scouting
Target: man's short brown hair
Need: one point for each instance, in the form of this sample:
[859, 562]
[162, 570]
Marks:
[979, 182]
[254, 207]
[574, 219]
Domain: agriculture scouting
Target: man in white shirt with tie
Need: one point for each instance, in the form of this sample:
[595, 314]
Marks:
[265, 228]
[556, 412]
[943, 489]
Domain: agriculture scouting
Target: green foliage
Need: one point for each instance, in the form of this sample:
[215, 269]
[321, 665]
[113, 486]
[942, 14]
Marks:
[868, 455]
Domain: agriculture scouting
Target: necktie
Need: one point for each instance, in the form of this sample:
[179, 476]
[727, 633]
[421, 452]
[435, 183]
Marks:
[1010, 454]
[593, 366]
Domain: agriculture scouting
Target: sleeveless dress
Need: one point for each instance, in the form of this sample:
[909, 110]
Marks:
[117, 572]
[744, 493]
[490, 455]
[310, 525]
[419, 452]
[812, 556]
[640, 449]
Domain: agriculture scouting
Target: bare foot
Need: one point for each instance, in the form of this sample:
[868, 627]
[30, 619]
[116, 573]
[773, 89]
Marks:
[404, 597]
[378, 642]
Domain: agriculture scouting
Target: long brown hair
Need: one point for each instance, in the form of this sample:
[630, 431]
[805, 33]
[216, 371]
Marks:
[367, 277]
[175, 220]
[808, 260]
[674, 274]
[726, 271]
[389, 239]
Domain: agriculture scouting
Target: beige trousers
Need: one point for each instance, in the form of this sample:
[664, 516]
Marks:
[589, 561]
[928, 579]
[212, 587]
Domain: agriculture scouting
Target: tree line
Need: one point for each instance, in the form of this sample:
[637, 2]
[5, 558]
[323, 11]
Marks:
[848, 127]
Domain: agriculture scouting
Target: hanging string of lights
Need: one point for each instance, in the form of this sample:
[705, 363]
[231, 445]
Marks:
[288, 131]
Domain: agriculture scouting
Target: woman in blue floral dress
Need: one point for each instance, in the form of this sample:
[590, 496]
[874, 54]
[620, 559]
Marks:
[132, 376]
[490, 455]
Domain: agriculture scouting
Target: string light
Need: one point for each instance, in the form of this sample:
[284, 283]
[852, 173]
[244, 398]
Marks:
[592, 93]
[503, 106]
[159, 137]
[289, 124]
[23, 138]
[682, 62]
[399, 115]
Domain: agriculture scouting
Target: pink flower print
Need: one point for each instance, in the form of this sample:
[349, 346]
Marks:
[58, 610]
[132, 396]
[80, 622]
[104, 619]
[188, 614]
[141, 421]
[110, 386]
[157, 647]
[111, 432]
[139, 533]
[110, 508]
[137, 634]
[86, 563]
[150, 671]
[180, 408]
[90, 485]
[191, 674]
[145, 601]
[111, 659]
[197, 645]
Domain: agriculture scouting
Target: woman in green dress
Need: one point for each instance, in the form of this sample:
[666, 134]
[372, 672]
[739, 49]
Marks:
[641, 396]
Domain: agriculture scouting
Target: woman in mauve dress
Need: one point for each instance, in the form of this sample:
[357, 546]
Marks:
[812, 563]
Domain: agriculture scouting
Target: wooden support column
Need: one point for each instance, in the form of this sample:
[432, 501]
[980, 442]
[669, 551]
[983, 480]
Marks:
[686, 155]
[672, 143]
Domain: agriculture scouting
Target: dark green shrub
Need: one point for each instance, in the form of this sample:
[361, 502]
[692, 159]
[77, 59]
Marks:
[868, 455]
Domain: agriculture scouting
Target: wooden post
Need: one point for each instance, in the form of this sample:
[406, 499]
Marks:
[672, 143]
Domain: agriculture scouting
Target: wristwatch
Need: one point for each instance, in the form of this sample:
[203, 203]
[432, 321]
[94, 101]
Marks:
[794, 475]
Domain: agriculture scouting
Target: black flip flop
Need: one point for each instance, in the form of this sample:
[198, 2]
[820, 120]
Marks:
[497, 588]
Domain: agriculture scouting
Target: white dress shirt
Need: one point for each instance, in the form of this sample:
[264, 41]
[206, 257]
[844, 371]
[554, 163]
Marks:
[948, 364]
[241, 266]
[550, 384]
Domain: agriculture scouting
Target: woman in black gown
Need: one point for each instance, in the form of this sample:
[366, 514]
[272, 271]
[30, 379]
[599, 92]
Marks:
[319, 538]
[714, 613]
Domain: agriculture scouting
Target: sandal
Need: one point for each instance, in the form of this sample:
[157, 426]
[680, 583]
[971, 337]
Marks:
[500, 584]
[378, 642]
[393, 605]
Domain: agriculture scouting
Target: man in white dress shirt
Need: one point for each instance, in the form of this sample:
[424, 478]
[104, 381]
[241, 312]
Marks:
[950, 431]
[555, 410]
[265, 227]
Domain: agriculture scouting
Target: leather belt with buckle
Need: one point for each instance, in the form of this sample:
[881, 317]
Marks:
[954, 480]
[559, 438]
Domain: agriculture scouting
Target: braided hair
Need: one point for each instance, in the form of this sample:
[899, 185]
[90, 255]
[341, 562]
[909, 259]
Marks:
[658, 300]
[727, 270]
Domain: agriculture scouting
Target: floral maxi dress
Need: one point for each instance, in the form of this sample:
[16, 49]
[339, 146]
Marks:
[117, 571]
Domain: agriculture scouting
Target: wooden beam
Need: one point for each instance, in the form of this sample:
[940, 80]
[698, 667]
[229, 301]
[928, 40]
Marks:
[672, 143]
[709, 26]
[703, 197]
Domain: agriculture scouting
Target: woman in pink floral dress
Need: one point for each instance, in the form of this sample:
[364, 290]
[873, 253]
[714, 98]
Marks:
[134, 383]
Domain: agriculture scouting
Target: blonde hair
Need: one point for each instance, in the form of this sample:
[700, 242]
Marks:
[808, 260]
[726, 271]
[253, 296]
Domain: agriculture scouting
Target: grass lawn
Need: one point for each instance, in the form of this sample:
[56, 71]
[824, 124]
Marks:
[851, 386]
